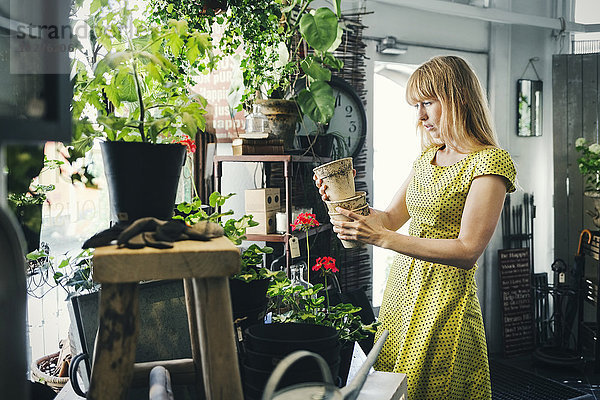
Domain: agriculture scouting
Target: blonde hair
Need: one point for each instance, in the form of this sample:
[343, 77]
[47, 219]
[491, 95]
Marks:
[466, 121]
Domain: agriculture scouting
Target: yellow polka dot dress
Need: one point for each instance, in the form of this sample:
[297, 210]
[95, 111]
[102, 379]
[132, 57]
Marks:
[431, 310]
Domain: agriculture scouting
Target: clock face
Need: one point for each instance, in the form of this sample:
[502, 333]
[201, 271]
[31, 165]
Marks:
[349, 119]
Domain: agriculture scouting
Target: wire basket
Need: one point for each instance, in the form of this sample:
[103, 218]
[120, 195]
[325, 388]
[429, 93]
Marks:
[48, 369]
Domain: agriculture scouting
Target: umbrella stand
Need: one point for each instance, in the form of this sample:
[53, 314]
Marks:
[568, 300]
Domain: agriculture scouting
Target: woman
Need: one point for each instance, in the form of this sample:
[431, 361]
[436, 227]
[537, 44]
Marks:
[454, 195]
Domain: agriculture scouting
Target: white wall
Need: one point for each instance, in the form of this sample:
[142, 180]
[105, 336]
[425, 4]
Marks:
[509, 48]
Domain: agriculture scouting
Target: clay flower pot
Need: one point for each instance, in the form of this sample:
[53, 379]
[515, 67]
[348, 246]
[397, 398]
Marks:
[338, 177]
[350, 244]
[357, 201]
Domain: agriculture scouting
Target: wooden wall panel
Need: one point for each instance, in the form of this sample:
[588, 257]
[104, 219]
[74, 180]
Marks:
[574, 131]
[559, 128]
[575, 92]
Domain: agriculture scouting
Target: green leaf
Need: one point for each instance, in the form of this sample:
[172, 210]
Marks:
[337, 6]
[112, 122]
[317, 102]
[338, 40]
[181, 26]
[174, 42]
[96, 4]
[125, 86]
[319, 28]
[314, 70]
[158, 59]
[36, 255]
[113, 60]
[332, 61]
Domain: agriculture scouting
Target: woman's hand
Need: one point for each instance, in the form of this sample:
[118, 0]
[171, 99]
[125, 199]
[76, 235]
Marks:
[367, 229]
[322, 187]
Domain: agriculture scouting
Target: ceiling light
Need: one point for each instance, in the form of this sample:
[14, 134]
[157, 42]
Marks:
[389, 45]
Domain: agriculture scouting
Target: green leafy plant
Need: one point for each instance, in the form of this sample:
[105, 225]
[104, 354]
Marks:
[290, 303]
[72, 272]
[282, 41]
[589, 163]
[235, 230]
[131, 82]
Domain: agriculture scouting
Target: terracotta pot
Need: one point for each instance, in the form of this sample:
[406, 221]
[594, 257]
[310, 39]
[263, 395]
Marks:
[338, 177]
[350, 244]
[282, 116]
[352, 203]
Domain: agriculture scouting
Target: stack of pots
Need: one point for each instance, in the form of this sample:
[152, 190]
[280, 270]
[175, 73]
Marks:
[338, 176]
[266, 345]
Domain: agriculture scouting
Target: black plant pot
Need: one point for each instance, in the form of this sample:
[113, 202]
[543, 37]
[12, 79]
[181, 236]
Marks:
[248, 301]
[286, 338]
[142, 178]
[248, 295]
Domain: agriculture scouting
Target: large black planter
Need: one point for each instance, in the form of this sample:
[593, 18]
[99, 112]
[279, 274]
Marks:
[142, 178]
[265, 345]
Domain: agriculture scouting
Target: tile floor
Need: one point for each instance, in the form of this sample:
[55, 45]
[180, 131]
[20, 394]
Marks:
[581, 377]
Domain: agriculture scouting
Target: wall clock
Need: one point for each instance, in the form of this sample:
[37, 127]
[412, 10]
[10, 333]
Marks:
[349, 119]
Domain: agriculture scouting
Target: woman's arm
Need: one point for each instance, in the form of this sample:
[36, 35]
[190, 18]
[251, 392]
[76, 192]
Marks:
[480, 217]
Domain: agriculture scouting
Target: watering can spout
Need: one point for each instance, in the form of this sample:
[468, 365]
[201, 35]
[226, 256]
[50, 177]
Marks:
[351, 391]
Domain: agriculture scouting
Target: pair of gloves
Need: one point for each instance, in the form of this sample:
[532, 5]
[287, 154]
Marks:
[153, 232]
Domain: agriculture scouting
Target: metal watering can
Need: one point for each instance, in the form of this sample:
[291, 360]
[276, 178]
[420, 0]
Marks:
[324, 390]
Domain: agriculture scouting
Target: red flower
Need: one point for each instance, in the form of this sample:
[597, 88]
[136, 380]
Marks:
[305, 221]
[187, 142]
[327, 263]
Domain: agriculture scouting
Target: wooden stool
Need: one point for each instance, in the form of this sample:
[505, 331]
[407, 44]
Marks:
[205, 268]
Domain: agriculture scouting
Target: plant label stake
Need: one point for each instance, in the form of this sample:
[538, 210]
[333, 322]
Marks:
[294, 247]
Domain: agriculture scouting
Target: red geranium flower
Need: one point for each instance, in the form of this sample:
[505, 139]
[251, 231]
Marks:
[327, 263]
[305, 221]
[187, 142]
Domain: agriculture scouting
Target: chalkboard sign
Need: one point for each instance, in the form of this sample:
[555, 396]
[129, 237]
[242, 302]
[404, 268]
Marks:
[517, 304]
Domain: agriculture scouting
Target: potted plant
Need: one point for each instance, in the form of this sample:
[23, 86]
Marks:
[284, 43]
[130, 91]
[248, 288]
[296, 308]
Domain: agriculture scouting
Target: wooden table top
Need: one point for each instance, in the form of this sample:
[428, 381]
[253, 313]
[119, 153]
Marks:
[187, 259]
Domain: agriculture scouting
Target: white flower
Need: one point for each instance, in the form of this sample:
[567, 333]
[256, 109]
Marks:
[594, 148]
[580, 142]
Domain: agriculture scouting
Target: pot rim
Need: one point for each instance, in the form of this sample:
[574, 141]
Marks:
[339, 160]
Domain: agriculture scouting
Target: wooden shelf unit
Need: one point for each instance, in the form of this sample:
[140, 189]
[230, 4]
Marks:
[288, 161]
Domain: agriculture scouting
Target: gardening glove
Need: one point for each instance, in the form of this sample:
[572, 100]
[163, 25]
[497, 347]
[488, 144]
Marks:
[105, 237]
[161, 234]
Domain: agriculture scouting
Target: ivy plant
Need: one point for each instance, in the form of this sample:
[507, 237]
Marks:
[282, 41]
